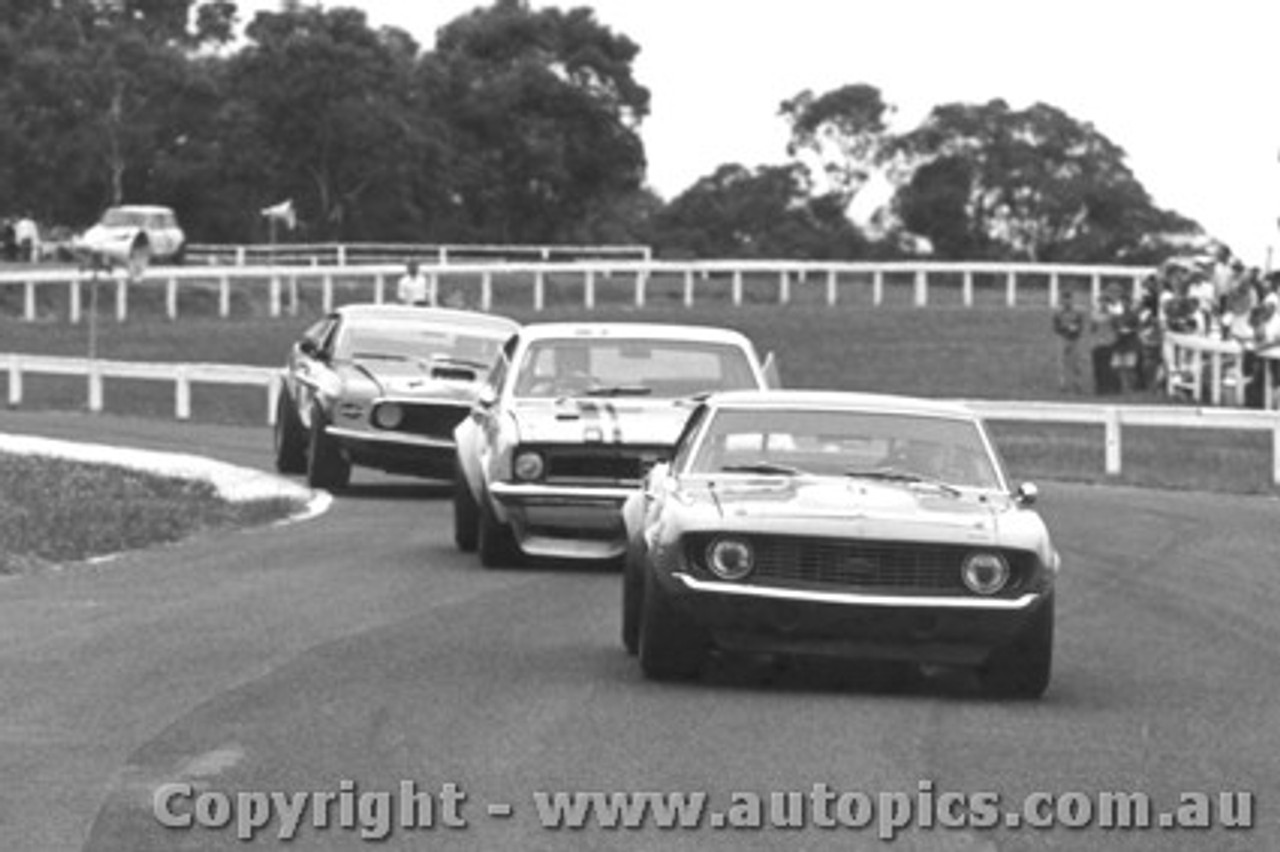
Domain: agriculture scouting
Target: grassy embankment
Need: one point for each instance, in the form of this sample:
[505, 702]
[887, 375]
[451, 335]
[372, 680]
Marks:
[986, 352]
[53, 510]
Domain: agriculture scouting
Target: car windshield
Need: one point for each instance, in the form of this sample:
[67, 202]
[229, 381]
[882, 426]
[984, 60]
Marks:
[409, 341]
[117, 217]
[635, 367]
[887, 447]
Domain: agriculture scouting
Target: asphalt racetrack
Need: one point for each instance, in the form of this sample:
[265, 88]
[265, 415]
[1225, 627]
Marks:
[359, 651]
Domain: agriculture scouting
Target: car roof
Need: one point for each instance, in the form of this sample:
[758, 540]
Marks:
[141, 208]
[815, 400]
[631, 331]
[451, 316]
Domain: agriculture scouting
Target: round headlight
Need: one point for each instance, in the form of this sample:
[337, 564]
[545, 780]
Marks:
[730, 558]
[528, 466]
[389, 415]
[985, 573]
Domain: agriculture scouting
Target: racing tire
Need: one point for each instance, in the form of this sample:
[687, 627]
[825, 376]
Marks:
[290, 437]
[466, 514]
[632, 598]
[670, 647]
[326, 466]
[1022, 668]
[495, 542]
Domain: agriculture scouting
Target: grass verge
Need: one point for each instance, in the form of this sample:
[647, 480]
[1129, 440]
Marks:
[53, 510]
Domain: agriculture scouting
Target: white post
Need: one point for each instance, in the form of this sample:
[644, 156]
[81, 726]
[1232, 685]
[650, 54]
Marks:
[342, 255]
[378, 286]
[1275, 452]
[326, 295]
[641, 279]
[589, 290]
[29, 301]
[433, 289]
[967, 288]
[15, 381]
[274, 307]
[833, 293]
[182, 394]
[122, 298]
[1215, 377]
[224, 296]
[1095, 289]
[171, 297]
[922, 288]
[737, 288]
[539, 291]
[486, 290]
[1053, 289]
[75, 308]
[1011, 289]
[1113, 440]
[688, 288]
[95, 387]
[240, 259]
[293, 295]
[784, 287]
[274, 388]
[877, 288]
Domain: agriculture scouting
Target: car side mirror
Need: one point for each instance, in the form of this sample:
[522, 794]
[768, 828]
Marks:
[309, 347]
[772, 380]
[1027, 494]
[487, 397]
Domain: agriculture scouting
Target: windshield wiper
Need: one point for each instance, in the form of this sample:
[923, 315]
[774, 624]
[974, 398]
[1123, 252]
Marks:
[767, 468]
[893, 475]
[377, 356]
[462, 362]
[619, 390]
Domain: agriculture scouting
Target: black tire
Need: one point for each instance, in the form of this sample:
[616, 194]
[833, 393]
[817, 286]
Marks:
[1023, 668]
[326, 467]
[466, 514]
[670, 647]
[495, 543]
[632, 598]
[289, 436]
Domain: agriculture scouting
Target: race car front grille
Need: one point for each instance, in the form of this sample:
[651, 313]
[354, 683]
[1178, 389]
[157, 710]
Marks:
[601, 465]
[859, 564]
[851, 564]
[431, 420]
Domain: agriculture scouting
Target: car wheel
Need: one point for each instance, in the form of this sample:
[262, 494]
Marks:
[495, 542]
[670, 646]
[466, 514]
[632, 598]
[1022, 668]
[290, 437]
[326, 468]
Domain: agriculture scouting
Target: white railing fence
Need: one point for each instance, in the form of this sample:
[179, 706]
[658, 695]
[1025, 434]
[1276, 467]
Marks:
[1112, 417]
[633, 280]
[182, 375]
[354, 254]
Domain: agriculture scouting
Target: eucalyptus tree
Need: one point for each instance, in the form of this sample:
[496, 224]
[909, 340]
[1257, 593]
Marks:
[542, 112]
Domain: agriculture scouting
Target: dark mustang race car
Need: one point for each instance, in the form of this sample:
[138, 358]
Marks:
[572, 416]
[836, 524]
[382, 386]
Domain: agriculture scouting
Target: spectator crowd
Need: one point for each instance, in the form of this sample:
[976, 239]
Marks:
[1215, 296]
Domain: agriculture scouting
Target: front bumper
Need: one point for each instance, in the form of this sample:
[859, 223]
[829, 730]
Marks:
[938, 629]
[565, 522]
[397, 452]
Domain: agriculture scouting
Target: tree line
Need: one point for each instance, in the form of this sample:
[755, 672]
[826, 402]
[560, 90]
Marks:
[520, 125]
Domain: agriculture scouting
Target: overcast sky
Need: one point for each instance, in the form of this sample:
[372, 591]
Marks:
[1188, 89]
